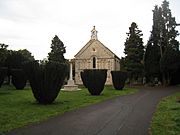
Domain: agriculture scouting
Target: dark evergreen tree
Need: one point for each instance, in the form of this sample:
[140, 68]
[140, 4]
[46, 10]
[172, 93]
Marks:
[151, 62]
[15, 60]
[27, 56]
[163, 36]
[46, 77]
[3, 54]
[94, 80]
[58, 50]
[170, 63]
[118, 79]
[169, 43]
[152, 53]
[122, 64]
[169, 31]
[134, 51]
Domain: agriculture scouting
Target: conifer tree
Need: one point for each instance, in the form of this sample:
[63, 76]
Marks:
[152, 53]
[151, 62]
[58, 50]
[134, 51]
[163, 36]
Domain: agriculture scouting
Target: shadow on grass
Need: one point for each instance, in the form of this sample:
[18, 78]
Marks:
[35, 103]
[5, 93]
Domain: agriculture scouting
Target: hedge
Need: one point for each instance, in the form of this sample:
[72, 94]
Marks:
[95, 80]
[46, 79]
[118, 79]
[19, 78]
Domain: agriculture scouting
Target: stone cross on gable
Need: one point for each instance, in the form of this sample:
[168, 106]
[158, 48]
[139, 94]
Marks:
[94, 33]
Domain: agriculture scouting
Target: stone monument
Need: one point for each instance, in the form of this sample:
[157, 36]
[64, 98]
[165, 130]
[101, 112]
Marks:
[70, 85]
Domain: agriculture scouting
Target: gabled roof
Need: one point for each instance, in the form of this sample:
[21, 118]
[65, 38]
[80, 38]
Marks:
[89, 43]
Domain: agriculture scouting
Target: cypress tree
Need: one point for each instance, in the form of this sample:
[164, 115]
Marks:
[163, 36]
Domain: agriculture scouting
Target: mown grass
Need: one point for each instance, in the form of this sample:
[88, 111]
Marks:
[166, 120]
[19, 108]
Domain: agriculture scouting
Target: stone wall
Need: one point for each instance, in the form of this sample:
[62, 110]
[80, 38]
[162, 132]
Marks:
[101, 63]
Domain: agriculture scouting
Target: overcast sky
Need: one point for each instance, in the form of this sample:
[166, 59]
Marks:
[31, 24]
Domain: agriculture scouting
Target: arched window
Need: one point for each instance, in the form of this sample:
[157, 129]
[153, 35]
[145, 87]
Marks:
[94, 62]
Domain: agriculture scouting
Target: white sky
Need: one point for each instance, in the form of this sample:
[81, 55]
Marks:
[32, 24]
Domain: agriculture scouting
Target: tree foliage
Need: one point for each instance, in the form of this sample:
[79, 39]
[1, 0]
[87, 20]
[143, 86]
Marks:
[57, 50]
[94, 80]
[134, 51]
[3, 54]
[162, 45]
[151, 62]
[46, 79]
[119, 78]
[19, 78]
[15, 59]
[170, 64]
[47, 76]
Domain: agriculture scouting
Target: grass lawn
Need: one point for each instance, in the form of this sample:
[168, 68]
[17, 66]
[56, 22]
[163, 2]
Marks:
[19, 108]
[166, 120]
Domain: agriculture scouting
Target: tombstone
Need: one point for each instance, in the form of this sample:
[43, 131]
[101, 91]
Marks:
[144, 80]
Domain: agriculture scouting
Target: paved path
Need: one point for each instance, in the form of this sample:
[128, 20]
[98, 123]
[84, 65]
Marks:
[127, 115]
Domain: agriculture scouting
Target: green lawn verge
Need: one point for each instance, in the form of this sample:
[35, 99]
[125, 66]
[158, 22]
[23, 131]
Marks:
[19, 108]
[166, 120]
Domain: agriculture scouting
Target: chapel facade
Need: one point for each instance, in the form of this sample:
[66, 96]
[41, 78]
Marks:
[95, 55]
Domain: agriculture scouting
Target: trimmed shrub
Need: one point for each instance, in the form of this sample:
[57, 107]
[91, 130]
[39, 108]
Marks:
[3, 74]
[19, 78]
[118, 79]
[46, 79]
[95, 80]
[83, 79]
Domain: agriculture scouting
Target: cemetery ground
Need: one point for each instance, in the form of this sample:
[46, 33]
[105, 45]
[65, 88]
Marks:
[123, 115]
[166, 120]
[131, 114]
[19, 108]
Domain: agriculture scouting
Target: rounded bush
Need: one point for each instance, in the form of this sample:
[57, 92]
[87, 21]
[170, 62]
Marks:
[118, 79]
[95, 80]
[19, 78]
[3, 74]
[46, 79]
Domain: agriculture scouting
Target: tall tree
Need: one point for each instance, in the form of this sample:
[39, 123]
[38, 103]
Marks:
[170, 63]
[58, 50]
[164, 35]
[168, 28]
[169, 33]
[134, 51]
[151, 62]
[152, 52]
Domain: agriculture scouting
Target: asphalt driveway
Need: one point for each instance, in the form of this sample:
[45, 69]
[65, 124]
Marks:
[126, 115]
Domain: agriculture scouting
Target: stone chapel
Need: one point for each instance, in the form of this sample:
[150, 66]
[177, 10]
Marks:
[95, 55]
